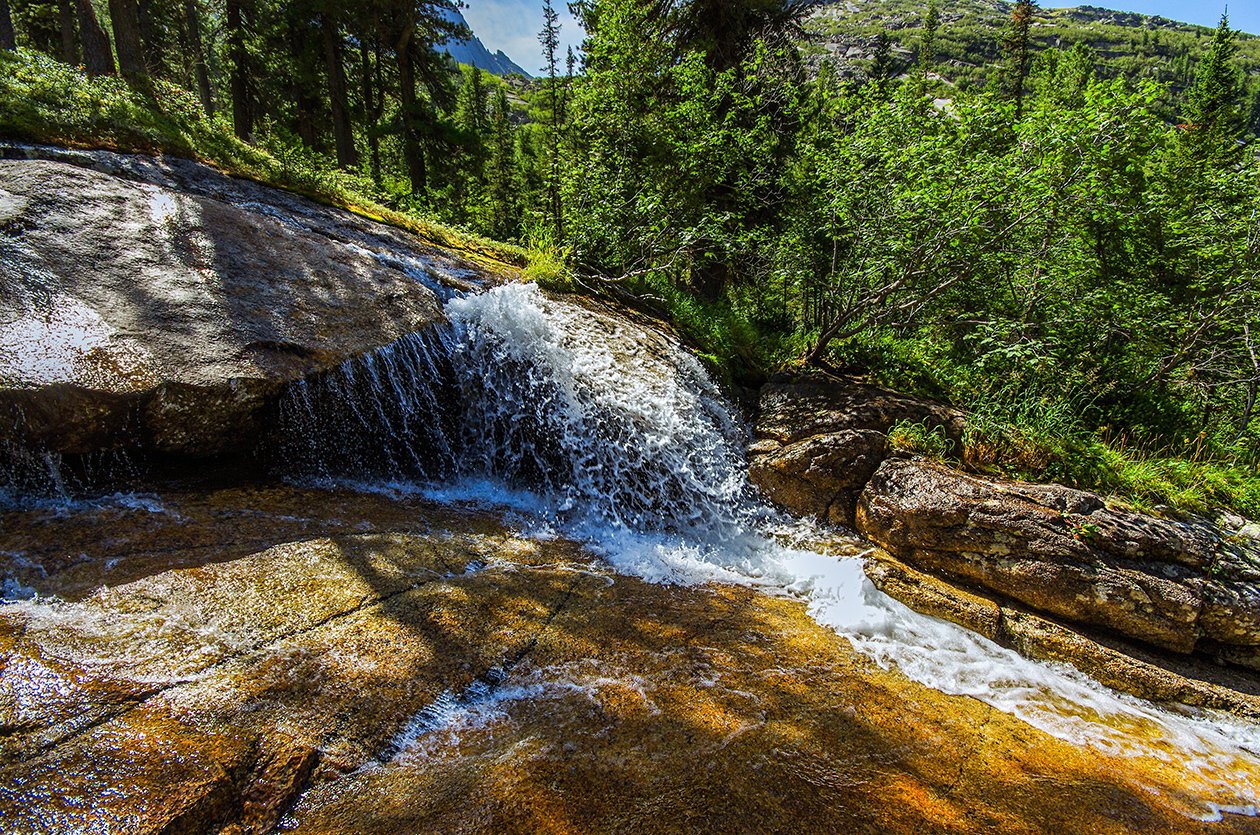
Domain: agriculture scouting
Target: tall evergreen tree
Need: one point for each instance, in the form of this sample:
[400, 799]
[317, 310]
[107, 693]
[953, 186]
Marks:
[98, 58]
[192, 29]
[124, 16]
[65, 13]
[550, 39]
[1214, 121]
[1016, 47]
[238, 57]
[343, 133]
[927, 46]
[502, 179]
[883, 69]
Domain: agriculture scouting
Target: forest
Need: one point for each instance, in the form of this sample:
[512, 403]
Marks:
[1064, 246]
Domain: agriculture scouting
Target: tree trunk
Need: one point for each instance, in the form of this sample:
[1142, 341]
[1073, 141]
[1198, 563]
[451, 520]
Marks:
[7, 38]
[242, 113]
[153, 58]
[98, 58]
[192, 19]
[305, 103]
[373, 103]
[412, 151]
[125, 17]
[68, 52]
[347, 156]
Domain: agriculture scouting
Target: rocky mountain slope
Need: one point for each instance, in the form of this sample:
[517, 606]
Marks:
[968, 49]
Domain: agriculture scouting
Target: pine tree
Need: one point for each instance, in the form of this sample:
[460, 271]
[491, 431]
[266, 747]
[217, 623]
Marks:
[98, 57]
[927, 46]
[1214, 122]
[7, 40]
[882, 67]
[550, 39]
[238, 56]
[502, 183]
[1016, 46]
[192, 31]
[473, 124]
[124, 16]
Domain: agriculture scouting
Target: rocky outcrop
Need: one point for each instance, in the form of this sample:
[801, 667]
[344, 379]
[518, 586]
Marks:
[819, 439]
[1180, 584]
[1122, 666]
[1064, 553]
[158, 304]
[314, 661]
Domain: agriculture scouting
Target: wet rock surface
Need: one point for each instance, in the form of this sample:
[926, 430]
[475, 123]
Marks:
[159, 304]
[1178, 583]
[379, 664]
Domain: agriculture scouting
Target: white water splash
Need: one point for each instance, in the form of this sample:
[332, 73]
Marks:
[612, 421]
[627, 444]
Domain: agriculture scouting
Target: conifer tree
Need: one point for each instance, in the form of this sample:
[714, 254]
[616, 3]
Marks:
[550, 39]
[473, 124]
[7, 40]
[927, 46]
[124, 16]
[192, 28]
[501, 174]
[98, 58]
[882, 68]
[1016, 46]
[1213, 119]
[65, 14]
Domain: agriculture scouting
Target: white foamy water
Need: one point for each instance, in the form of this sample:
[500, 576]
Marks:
[607, 432]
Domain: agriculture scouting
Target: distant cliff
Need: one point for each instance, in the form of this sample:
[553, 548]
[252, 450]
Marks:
[474, 52]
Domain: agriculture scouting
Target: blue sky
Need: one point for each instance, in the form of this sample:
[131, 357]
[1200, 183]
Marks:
[513, 25]
[1244, 15]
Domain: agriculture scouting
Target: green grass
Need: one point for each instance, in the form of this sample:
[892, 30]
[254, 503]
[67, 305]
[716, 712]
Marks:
[45, 101]
[1139, 477]
[1033, 429]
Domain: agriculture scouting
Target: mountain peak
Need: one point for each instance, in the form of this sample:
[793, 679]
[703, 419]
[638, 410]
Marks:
[475, 53]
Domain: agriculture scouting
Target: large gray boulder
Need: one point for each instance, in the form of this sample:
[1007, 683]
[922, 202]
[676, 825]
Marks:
[159, 304]
[1065, 553]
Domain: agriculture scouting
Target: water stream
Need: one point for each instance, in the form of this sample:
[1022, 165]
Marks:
[579, 423]
[590, 426]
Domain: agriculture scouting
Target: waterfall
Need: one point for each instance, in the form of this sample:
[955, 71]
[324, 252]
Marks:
[626, 443]
[613, 422]
[598, 428]
[387, 414]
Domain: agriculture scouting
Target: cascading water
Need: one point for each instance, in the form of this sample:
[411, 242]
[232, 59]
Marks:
[589, 425]
[387, 414]
[617, 436]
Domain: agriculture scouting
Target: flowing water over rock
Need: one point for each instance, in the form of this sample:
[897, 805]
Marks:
[616, 635]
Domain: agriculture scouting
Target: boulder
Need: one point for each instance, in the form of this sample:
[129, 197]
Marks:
[160, 305]
[819, 438]
[821, 475]
[1231, 598]
[1125, 668]
[1056, 550]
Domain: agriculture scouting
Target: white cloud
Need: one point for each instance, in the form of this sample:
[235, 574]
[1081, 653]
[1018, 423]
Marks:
[513, 26]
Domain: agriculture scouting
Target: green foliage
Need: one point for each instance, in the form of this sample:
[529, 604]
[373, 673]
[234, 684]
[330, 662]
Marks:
[967, 46]
[1213, 119]
[1058, 261]
[922, 439]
